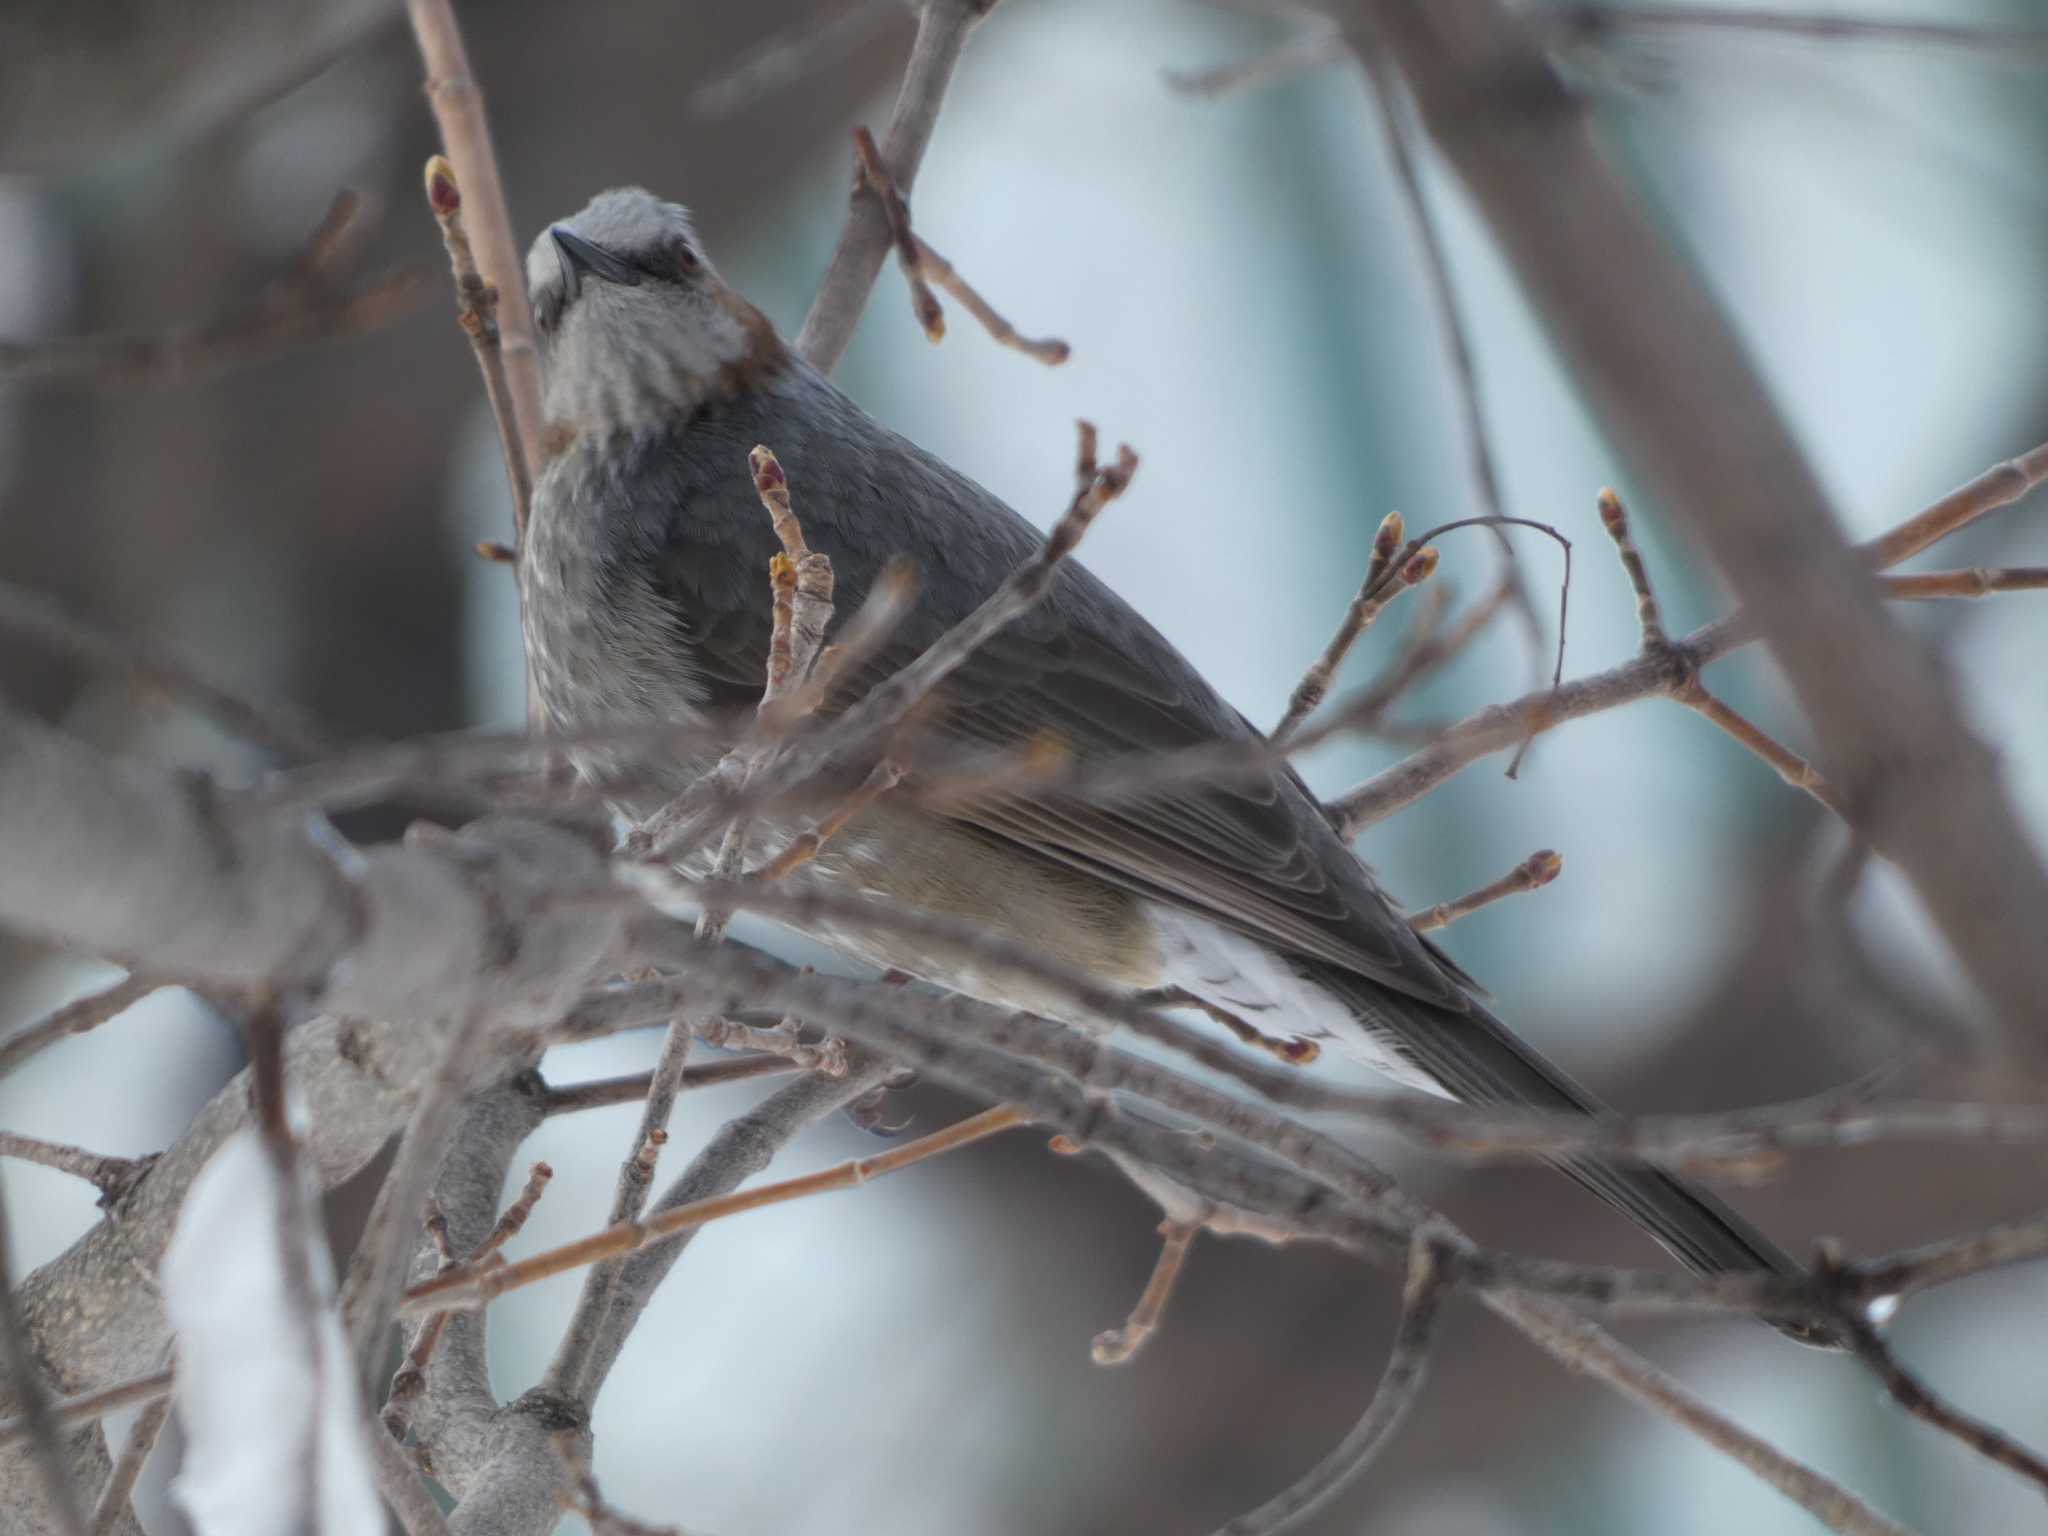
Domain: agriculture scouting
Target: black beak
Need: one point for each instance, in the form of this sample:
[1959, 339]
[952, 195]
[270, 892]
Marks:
[579, 257]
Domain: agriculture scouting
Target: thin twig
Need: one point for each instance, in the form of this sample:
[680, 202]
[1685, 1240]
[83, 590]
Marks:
[1374, 593]
[109, 1175]
[1584, 1348]
[1399, 1386]
[1459, 357]
[1049, 350]
[458, 106]
[600, 1093]
[922, 266]
[92, 1405]
[942, 28]
[1117, 1346]
[75, 1018]
[477, 311]
[1688, 689]
[582, 1497]
[931, 319]
[1500, 726]
[1533, 873]
[469, 1286]
[142, 1437]
[1977, 581]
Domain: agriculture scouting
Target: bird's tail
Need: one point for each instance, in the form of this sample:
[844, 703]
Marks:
[1474, 1057]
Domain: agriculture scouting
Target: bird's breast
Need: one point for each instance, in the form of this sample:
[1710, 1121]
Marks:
[604, 647]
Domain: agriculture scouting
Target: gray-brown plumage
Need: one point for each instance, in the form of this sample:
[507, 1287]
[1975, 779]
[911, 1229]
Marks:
[643, 582]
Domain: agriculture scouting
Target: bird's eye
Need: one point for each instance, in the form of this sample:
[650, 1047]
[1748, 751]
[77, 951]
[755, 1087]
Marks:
[547, 306]
[683, 256]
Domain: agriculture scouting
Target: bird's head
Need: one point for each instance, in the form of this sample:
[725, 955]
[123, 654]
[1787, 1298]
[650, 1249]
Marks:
[638, 330]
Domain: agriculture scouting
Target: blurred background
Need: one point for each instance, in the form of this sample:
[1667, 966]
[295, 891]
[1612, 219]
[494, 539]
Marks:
[1241, 285]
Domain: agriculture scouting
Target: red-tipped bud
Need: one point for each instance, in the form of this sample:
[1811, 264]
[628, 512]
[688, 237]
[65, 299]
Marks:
[768, 475]
[1420, 567]
[1388, 539]
[443, 196]
[1612, 517]
[1543, 866]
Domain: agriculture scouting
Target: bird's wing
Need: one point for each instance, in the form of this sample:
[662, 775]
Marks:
[1082, 667]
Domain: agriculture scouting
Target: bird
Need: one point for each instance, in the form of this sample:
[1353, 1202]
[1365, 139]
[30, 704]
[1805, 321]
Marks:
[643, 595]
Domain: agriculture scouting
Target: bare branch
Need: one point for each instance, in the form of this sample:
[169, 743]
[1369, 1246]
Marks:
[458, 106]
[942, 28]
[809, 47]
[1399, 1386]
[476, 310]
[142, 1437]
[923, 266]
[43, 622]
[92, 1405]
[602, 1092]
[302, 307]
[75, 1018]
[1311, 46]
[1500, 726]
[1533, 873]
[109, 1175]
[1681, 398]
[1118, 1346]
[1374, 593]
[1591, 23]
[469, 1286]
[1584, 1348]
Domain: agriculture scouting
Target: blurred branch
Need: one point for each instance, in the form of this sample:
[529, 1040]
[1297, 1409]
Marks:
[1500, 726]
[1681, 398]
[109, 1175]
[303, 306]
[1399, 1386]
[112, 1507]
[1585, 1349]
[1919, 1400]
[77, 1017]
[93, 1405]
[797, 53]
[1457, 348]
[458, 106]
[942, 28]
[1592, 23]
[41, 621]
